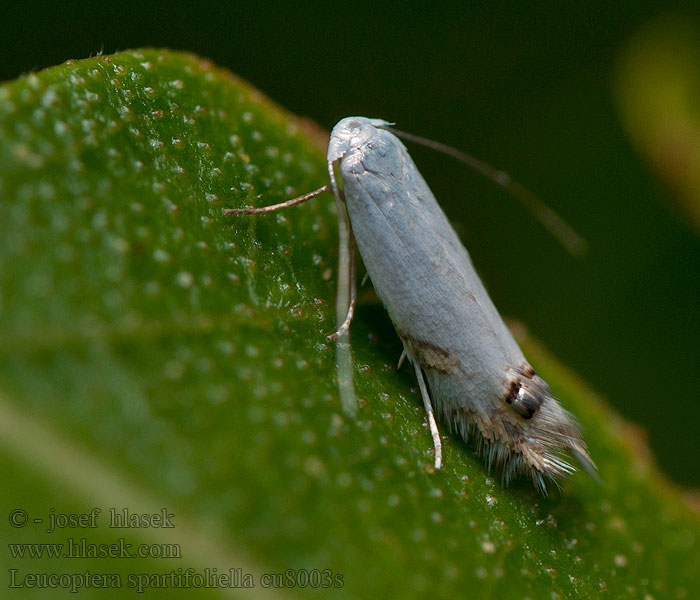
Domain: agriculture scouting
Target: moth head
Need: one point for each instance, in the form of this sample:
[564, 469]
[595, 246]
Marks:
[350, 133]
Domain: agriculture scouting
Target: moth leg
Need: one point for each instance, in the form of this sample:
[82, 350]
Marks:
[343, 355]
[437, 444]
[401, 359]
[342, 330]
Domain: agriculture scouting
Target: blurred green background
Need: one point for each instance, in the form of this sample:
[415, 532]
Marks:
[593, 106]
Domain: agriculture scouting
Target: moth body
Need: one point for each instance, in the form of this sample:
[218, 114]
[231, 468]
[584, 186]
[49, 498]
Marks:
[480, 382]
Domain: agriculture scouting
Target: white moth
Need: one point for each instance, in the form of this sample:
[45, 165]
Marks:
[480, 383]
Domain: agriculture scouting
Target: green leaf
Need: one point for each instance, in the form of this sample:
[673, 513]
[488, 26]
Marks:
[157, 353]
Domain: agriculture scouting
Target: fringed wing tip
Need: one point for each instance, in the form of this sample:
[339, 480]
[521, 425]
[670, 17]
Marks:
[586, 462]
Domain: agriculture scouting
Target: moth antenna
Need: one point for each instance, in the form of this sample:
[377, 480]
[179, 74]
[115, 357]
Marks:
[556, 225]
[272, 208]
